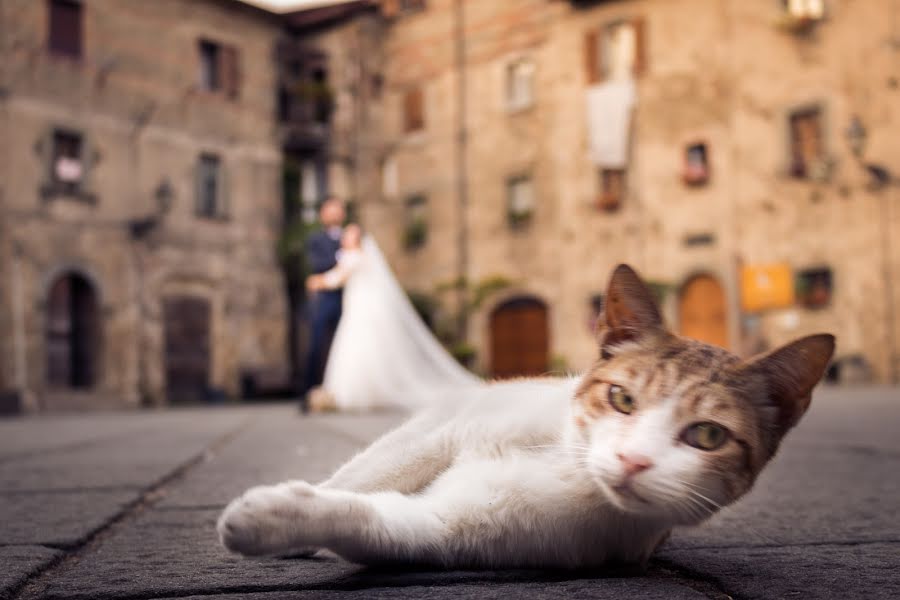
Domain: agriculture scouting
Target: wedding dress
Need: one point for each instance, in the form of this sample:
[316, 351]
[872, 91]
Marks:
[383, 355]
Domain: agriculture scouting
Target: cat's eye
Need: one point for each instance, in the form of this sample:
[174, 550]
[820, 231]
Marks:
[620, 400]
[705, 436]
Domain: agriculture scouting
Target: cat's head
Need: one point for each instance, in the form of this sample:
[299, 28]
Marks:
[674, 428]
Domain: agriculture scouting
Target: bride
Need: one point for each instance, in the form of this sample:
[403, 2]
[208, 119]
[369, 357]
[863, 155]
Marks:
[383, 355]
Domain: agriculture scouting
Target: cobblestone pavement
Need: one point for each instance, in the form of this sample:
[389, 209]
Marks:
[124, 505]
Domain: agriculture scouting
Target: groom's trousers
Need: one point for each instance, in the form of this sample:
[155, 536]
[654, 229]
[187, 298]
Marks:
[324, 312]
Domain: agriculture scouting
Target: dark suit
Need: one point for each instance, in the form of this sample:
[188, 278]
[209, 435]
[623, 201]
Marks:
[324, 307]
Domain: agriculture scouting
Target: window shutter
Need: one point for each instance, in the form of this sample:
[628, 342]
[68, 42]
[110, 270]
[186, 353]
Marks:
[198, 185]
[230, 70]
[88, 161]
[592, 56]
[413, 110]
[390, 8]
[223, 199]
[640, 46]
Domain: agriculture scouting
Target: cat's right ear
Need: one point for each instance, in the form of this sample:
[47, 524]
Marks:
[630, 309]
[791, 373]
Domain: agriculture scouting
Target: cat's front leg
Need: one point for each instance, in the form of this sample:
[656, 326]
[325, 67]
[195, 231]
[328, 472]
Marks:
[291, 516]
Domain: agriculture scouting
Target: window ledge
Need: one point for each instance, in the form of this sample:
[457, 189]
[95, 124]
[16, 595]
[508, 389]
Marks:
[213, 218]
[517, 109]
[53, 191]
[415, 138]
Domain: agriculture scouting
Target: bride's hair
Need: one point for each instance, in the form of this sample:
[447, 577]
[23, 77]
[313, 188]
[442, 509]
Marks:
[352, 236]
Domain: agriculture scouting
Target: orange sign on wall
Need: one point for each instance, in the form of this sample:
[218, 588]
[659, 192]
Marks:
[766, 286]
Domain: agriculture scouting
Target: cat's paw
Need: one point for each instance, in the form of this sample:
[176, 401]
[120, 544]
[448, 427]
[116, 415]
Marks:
[268, 520]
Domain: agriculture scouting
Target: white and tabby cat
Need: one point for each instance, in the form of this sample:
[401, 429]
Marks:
[661, 432]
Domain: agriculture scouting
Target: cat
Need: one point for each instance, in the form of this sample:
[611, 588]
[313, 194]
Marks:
[660, 432]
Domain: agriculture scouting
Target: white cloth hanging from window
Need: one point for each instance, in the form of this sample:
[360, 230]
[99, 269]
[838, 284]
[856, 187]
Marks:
[609, 107]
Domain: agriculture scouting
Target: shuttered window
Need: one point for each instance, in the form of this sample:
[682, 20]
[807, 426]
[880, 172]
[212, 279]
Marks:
[219, 68]
[806, 142]
[616, 51]
[413, 110]
[64, 35]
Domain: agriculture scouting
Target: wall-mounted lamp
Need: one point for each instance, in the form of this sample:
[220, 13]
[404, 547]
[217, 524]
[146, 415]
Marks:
[856, 135]
[164, 195]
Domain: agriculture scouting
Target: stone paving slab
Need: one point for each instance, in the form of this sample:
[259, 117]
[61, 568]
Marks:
[19, 562]
[810, 495]
[815, 571]
[175, 553]
[595, 589]
[20, 437]
[279, 447]
[60, 519]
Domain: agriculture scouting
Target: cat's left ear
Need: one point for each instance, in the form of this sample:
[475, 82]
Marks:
[791, 372]
[630, 309]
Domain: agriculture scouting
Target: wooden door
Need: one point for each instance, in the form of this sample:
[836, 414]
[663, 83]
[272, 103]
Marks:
[187, 348]
[703, 312]
[73, 333]
[520, 341]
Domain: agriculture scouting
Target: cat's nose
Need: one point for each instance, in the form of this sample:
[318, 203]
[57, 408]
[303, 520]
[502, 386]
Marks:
[634, 463]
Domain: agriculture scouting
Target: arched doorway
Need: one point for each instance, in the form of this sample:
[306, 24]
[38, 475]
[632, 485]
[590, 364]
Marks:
[703, 311]
[73, 332]
[520, 338]
[187, 348]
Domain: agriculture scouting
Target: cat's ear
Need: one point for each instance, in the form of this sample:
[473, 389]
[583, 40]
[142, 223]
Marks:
[791, 372]
[630, 309]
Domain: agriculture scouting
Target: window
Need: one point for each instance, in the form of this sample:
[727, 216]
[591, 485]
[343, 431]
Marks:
[219, 68]
[804, 9]
[66, 166]
[616, 51]
[519, 85]
[519, 201]
[416, 234]
[210, 196]
[806, 145]
[813, 287]
[65, 29]
[413, 110]
[612, 189]
[210, 76]
[696, 164]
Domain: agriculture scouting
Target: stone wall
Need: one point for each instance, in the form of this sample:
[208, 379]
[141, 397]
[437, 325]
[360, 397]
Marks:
[135, 98]
[718, 71]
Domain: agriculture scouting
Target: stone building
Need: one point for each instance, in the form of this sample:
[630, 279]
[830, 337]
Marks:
[140, 199]
[742, 155]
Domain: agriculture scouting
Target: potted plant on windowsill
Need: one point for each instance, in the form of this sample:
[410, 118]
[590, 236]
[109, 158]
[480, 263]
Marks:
[608, 202]
[519, 218]
[415, 234]
[695, 175]
[796, 23]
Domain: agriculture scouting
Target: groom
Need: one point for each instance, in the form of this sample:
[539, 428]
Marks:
[324, 305]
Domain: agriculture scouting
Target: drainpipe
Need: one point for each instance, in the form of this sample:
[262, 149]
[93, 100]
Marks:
[889, 297]
[462, 183]
[18, 313]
